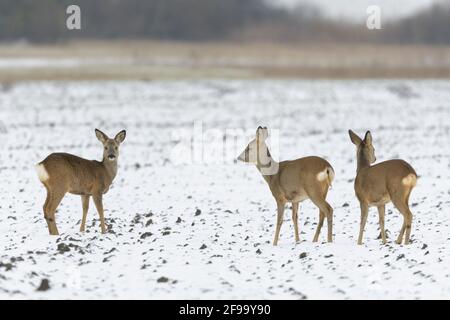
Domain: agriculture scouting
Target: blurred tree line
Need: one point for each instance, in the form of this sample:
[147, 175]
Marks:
[204, 20]
[45, 20]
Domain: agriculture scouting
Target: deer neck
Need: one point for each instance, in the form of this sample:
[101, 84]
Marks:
[266, 177]
[110, 168]
[262, 166]
[363, 162]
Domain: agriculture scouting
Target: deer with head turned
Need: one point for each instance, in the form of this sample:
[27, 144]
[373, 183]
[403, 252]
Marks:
[376, 185]
[293, 181]
[63, 173]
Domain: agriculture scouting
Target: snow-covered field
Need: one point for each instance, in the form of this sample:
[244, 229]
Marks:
[203, 228]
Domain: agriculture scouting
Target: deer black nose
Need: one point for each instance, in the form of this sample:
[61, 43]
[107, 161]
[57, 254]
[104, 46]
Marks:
[111, 157]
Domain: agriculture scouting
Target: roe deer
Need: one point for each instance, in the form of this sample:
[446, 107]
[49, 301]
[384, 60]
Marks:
[382, 183]
[62, 172]
[293, 181]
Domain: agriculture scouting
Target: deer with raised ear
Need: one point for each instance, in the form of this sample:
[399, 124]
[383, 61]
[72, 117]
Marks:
[63, 173]
[376, 185]
[293, 181]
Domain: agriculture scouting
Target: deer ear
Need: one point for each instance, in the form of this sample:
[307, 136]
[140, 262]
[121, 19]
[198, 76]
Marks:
[120, 136]
[368, 138]
[101, 136]
[354, 138]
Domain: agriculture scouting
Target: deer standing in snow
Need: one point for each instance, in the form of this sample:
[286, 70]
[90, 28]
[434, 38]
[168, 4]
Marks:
[376, 185]
[63, 173]
[294, 181]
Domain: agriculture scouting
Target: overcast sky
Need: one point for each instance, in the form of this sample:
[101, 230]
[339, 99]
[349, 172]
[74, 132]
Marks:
[356, 9]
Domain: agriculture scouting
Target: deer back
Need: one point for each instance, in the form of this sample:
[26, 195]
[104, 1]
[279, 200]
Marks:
[74, 174]
[296, 179]
[377, 184]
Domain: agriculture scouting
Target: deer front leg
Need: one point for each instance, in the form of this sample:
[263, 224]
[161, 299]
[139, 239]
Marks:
[295, 220]
[364, 213]
[98, 201]
[85, 203]
[381, 213]
[280, 212]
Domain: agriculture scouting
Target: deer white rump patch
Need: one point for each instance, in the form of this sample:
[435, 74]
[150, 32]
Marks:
[327, 174]
[41, 172]
[410, 180]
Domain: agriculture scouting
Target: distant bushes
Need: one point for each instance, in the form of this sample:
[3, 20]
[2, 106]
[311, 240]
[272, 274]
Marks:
[205, 20]
[430, 26]
[44, 20]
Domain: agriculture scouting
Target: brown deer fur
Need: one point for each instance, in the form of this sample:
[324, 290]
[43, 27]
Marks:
[63, 173]
[294, 181]
[376, 185]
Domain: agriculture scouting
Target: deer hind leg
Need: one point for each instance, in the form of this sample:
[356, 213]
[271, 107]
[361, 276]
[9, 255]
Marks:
[46, 216]
[408, 226]
[410, 217]
[53, 202]
[381, 213]
[280, 212]
[295, 220]
[402, 232]
[98, 201]
[319, 226]
[85, 203]
[327, 212]
[403, 207]
[403, 229]
[364, 213]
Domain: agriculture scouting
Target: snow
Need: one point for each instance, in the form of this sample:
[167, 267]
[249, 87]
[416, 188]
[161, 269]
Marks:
[190, 223]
